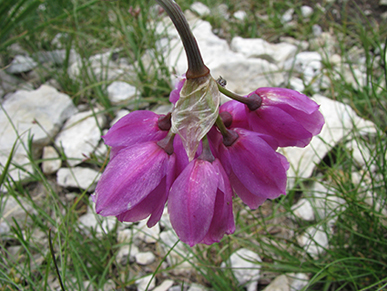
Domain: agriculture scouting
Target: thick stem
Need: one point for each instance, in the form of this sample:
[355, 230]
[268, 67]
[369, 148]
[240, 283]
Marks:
[167, 143]
[253, 102]
[229, 136]
[196, 67]
[206, 154]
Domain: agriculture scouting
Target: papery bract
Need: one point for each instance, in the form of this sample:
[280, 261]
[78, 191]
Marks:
[195, 112]
[257, 172]
[289, 116]
[200, 205]
[139, 175]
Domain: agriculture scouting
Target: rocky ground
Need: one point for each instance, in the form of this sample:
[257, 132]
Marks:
[62, 139]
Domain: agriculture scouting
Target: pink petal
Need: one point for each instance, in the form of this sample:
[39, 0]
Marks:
[238, 112]
[130, 177]
[192, 200]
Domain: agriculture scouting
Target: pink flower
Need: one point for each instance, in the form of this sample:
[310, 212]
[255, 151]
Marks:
[256, 171]
[200, 203]
[287, 115]
[135, 184]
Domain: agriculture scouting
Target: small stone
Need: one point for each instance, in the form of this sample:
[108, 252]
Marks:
[314, 241]
[146, 234]
[317, 30]
[222, 10]
[51, 161]
[127, 253]
[281, 283]
[124, 236]
[145, 258]
[143, 283]
[287, 16]
[100, 224]
[201, 9]
[296, 84]
[83, 178]
[297, 281]
[306, 11]
[163, 109]
[245, 265]
[21, 64]
[12, 210]
[304, 210]
[196, 287]
[240, 15]
[119, 92]
[383, 2]
[164, 286]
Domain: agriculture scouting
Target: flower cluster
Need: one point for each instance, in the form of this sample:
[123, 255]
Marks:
[196, 157]
[149, 164]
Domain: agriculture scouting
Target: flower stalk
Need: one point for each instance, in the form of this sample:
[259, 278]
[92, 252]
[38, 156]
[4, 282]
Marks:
[253, 102]
[196, 66]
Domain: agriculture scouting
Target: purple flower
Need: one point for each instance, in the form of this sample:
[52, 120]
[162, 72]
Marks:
[287, 115]
[175, 93]
[200, 203]
[256, 171]
[135, 183]
[136, 127]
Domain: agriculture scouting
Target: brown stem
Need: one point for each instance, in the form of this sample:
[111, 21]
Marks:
[196, 66]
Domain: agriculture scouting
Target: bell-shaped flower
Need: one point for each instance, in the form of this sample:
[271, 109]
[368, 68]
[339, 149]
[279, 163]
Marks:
[287, 115]
[200, 203]
[136, 127]
[257, 172]
[135, 183]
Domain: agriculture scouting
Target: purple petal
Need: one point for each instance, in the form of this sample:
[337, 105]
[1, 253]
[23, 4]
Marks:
[256, 165]
[175, 94]
[192, 200]
[129, 177]
[238, 112]
[138, 126]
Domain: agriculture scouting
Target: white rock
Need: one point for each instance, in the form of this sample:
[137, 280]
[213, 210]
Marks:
[303, 209]
[46, 106]
[100, 224]
[119, 92]
[317, 30]
[145, 258]
[314, 241]
[297, 281]
[287, 16]
[281, 283]
[245, 265]
[80, 136]
[302, 45]
[125, 236]
[83, 178]
[201, 9]
[8, 82]
[57, 57]
[51, 160]
[383, 2]
[340, 120]
[143, 282]
[306, 11]
[306, 63]
[163, 109]
[196, 287]
[360, 152]
[164, 286]
[240, 15]
[21, 64]
[146, 234]
[127, 253]
[121, 113]
[296, 84]
[222, 10]
[19, 209]
[259, 48]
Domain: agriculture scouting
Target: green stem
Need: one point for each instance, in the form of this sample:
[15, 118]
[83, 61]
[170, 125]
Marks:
[229, 136]
[253, 102]
[196, 66]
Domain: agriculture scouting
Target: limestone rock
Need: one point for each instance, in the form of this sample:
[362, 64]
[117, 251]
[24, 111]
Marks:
[306, 11]
[201, 9]
[39, 113]
[142, 283]
[19, 209]
[304, 210]
[83, 178]
[119, 92]
[240, 15]
[51, 160]
[145, 258]
[281, 283]
[287, 16]
[21, 64]
[306, 63]
[80, 136]
[164, 286]
[314, 241]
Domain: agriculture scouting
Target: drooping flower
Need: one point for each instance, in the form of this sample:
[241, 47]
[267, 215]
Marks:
[200, 203]
[257, 172]
[136, 183]
[287, 115]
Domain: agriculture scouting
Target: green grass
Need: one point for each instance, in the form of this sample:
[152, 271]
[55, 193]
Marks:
[356, 258]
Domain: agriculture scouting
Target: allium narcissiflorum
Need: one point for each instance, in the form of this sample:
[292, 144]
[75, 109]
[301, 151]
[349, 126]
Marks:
[196, 158]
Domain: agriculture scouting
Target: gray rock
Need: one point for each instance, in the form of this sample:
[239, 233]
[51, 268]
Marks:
[147, 235]
[306, 63]
[281, 283]
[196, 287]
[145, 258]
[8, 83]
[100, 224]
[297, 281]
[201, 9]
[143, 282]
[83, 178]
[57, 57]
[245, 265]
[164, 286]
[259, 48]
[287, 16]
[127, 253]
[80, 136]
[306, 11]
[240, 15]
[19, 209]
[303, 209]
[51, 160]
[39, 113]
[340, 120]
[120, 92]
[317, 30]
[21, 64]
[314, 241]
